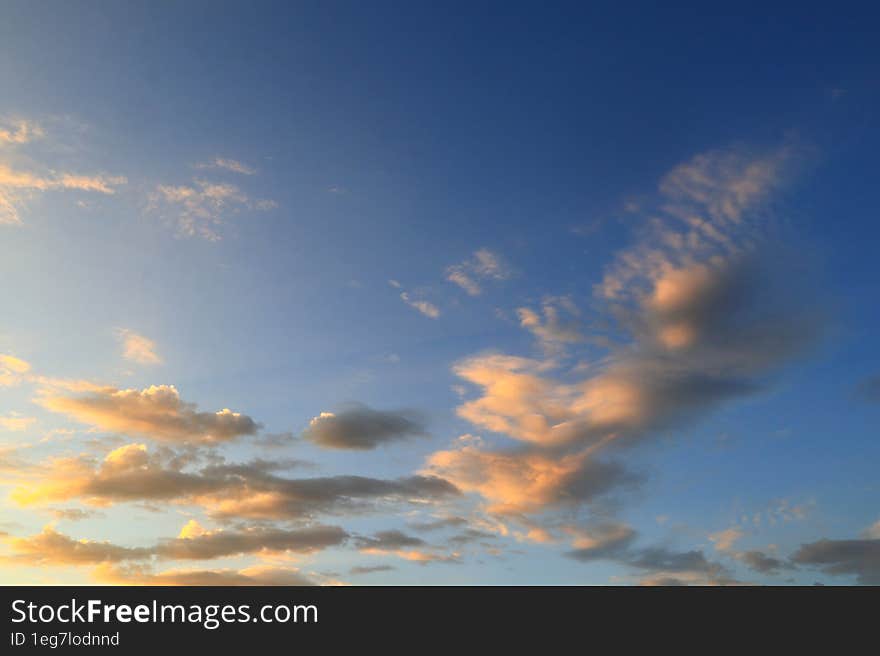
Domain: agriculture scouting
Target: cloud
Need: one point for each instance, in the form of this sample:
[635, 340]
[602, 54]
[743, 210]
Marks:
[15, 422]
[517, 482]
[196, 543]
[359, 570]
[436, 524]
[470, 535]
[16, 187]
[753, 559]
[552, 330]
[156, 412]
[250, 490]
[665, 560]
[403, 546]
[699, 311]
[12, 369]
[860, 558]
[275, 498]
[128, 473]
[228, 164]
[659, 565]
[705, 335]
[600, 541]
[53, 548]
[762, 563]
[707, 320]
[73, 514]
[362, 428]
[197, 210]
[138, 348]
[388, 541]
[256, 575]
[19, 131]
[724, 540]
[428, 309]
[483, 265]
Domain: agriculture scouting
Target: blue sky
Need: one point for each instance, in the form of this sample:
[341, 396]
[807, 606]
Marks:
[591, 289]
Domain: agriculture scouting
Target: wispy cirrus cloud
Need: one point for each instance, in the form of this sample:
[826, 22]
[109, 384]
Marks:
[482, 266]
[137, 348]
[12, 370]
[15, 422]
[227, 164]
[19, 131]
[18, 185]
[425, 307]
[199, 208]
[554, 329]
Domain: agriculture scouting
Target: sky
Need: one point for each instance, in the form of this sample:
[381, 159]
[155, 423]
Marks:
[418, 293]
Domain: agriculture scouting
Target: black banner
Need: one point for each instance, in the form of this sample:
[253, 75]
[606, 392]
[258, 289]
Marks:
[146, 619]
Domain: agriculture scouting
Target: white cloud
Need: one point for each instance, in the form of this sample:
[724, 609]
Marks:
[138, 348]
[428, 309]
[483, 265]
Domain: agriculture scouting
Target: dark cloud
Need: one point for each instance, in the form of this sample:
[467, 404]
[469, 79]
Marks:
[601, 542]
[470, 535]
[404, 546]
[258, 575]
[437, 524]
[361, 428]
[388, 541]
[359, 570]
[761, 562]
[252, 490]
[857, 557]
[218, 544]
[666, 560]
[270, 497]
[660, 565]
[53, 548]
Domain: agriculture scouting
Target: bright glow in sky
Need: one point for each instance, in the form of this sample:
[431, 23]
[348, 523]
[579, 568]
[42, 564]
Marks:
[401, 293]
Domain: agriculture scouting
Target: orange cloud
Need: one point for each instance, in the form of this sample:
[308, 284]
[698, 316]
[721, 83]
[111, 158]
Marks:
[256, 575]
[12, 370]
[156, 412]
[526, 482]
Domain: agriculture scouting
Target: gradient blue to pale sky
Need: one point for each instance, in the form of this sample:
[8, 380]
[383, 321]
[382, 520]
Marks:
[500, 293]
